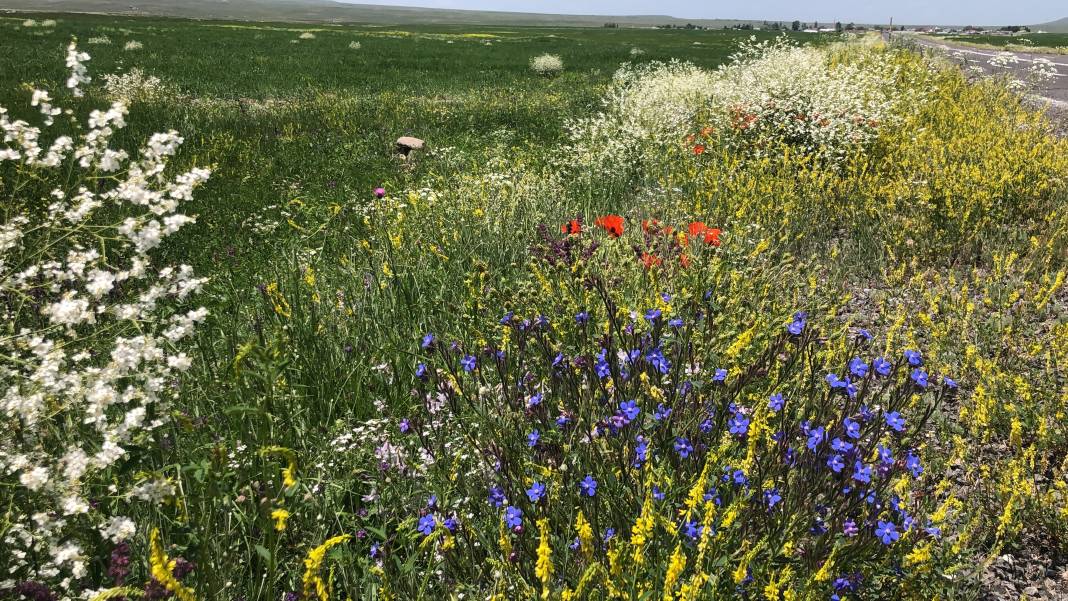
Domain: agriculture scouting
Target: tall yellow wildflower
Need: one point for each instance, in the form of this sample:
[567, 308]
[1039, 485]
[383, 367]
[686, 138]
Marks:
[585, 534]
[314, 586]
[544, 568]
[643, 528]
[162, 569]
[675, 568]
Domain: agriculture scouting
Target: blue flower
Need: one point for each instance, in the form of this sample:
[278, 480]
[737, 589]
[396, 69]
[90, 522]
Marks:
[532, 438]
[496, 497]
[630, 410]
[815, 437]
[641, 451]
[582, 317]
[836, 463]
[914, 358]
[776, 402]
[895, 421]
[404, 426]
[658, 494]
[739, 424]
[886, 456]
[675, 323]
[534, 400]
[427, 523]
[858, 367]
[609, 534]
[588, 486]
[692, 529]
[507, 318]
[652, 315]
[841, 385]
[428, 341]
[661, 412]
[432, 502]
[683, 447]
[468, 362]
[861, 472]
[952, 384]
[451, 523]
[720, 375]
[535, 492]
[840, 446]
[887, 532]
[864, 335]
[919, 377]
[513, 517]
[852, 427]
[562, 421]
[376, 551]
[656, 358]
[798, 324]
[772, 497]
[882, 366]
[912, 463]
[739, 477]
[420, 371]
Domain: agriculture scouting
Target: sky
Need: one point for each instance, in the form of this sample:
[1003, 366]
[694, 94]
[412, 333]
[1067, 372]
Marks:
[955, 12]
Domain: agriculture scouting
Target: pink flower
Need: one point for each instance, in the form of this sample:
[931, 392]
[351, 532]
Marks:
[380, 192]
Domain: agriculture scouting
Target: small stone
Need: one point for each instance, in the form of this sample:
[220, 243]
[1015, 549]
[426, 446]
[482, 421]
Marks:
[406, 144]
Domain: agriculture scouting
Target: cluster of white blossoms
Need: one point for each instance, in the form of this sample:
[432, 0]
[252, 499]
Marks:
[134, 86]
[90, 350]
[547, 64]
[824, 100]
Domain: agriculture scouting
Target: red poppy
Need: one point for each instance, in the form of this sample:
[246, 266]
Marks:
[706, 131]
[699, 149]
[684, 261]
[650, 225]
[651, 261]
[710, 235]
[613, 224]
[572, 227]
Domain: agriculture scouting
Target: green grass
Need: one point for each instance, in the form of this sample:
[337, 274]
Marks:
[1023, 40]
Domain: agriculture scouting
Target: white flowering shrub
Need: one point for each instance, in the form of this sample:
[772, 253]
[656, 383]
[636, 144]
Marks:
[307, 35]
[354, 45]
[89, 352]
[825, 101]
[134, 86]
[99, 41]
[133, 45]
[547, 64]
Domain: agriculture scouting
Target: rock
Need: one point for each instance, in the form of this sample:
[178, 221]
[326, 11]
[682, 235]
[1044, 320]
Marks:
[406, 144]
[1031, 592]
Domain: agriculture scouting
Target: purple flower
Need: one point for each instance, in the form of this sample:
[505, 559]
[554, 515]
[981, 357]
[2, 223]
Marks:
[468, 363]
[661, 412]
[798, 324]
[675, 323]
[849, 528]
[451, 523]
[428, 341]
[683, 447]
[840, 446]
[588, 486]
[532, 438]
[912, 463]
[536, 492]
[720, 375]
[641, 451]
[380, 192]
[420, 371]
[887, 532]
[692, 529]
[895, 421]
[657, 359]
[496, 497]
[886, 456]
[815, 437]
[630, 410]
[582, 317]
[776, 402]
[534, 400]
[427, 524]
[858, 367]
[652, 315]
[952, 384]
[513, 517]
[739, 424]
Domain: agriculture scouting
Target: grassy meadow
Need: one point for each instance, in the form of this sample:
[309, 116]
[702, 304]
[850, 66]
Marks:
[697, 317]
[1039, 41]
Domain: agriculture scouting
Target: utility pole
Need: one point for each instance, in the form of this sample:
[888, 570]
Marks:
[891, 32]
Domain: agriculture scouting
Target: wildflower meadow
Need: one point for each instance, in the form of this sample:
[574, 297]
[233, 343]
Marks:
[653, 314]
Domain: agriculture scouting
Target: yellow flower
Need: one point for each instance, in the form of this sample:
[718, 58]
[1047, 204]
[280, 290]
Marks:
[544, 568]
[643, 528]
[279, 516]
[675, 568]
[162, 569]
[314, 586]
[585, 533]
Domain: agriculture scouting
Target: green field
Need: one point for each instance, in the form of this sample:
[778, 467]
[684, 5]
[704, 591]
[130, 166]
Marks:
[697, 316]
[1020, 41]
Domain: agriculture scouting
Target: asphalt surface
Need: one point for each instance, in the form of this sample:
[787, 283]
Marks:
[1055, 91]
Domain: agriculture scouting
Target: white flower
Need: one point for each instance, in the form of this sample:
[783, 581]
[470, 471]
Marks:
[118, 529]
[547, 64]
[34, 479]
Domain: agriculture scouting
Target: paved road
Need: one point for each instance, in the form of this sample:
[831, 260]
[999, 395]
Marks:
[1055, 90]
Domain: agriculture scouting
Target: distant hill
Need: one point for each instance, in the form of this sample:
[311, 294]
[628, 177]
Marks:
[1058, 26]
[326, 11]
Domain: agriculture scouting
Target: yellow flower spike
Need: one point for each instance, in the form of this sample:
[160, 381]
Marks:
[289, 472]
[162, 569]
[642, 530]
[675, 568]
[544, 567]
[280, 516]
[313, 584]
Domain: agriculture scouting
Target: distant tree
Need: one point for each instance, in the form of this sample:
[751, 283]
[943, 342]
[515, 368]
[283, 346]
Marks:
[796, 26]
[838, 26]
[851, 27]
[611, 25]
